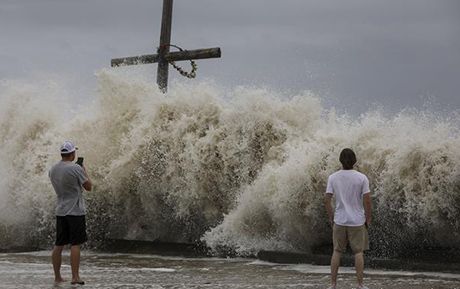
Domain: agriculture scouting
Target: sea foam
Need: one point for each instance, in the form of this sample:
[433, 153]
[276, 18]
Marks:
[241, 170]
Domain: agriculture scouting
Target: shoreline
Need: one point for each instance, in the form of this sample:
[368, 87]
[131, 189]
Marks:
[450, 265]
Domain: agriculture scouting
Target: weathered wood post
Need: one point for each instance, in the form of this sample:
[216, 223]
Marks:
[165, 41]
[164, 57]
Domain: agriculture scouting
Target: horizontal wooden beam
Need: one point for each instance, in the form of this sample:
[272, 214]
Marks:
[143, 59]
[194, 54]
[171, 56]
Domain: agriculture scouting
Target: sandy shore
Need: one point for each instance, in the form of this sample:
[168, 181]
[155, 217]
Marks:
[33, 270]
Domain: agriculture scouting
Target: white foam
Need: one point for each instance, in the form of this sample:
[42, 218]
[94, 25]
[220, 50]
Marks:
[246, 172]
[311, 269]
[315, 269]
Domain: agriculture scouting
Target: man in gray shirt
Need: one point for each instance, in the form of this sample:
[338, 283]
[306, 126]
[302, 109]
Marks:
[68, 180]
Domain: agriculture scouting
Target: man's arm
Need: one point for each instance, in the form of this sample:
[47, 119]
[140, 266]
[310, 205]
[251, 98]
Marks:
[87, 185]
[367, 202]
[328, 205]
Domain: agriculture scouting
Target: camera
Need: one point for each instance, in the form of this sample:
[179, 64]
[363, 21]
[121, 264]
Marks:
[80, 161]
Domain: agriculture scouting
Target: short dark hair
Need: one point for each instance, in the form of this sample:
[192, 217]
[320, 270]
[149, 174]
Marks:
[64, 155]
[347, 158]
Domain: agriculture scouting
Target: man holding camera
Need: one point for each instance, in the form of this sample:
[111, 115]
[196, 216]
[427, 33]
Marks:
[68, 180]
[352, 214]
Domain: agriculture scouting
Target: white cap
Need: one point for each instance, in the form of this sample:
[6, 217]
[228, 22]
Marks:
[68, 147]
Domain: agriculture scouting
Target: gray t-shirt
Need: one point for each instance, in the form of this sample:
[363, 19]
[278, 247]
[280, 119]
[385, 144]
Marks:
[67, 179]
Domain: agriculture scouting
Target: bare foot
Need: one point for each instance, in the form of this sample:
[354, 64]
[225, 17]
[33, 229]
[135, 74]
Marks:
[59, 280]
[77, 282]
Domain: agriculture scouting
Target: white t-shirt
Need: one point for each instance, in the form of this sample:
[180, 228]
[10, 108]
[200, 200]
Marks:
[348, 186]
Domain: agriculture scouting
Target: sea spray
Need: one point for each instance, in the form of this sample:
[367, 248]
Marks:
[413, 164]
[244, 172]
[28, 117]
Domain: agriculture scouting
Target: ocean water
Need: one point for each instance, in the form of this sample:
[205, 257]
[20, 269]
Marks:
[33, 270]
[241, 170]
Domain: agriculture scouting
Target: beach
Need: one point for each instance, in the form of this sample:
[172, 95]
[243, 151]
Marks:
[110, 270]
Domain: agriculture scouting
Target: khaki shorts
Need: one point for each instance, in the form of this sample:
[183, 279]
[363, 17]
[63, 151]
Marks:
[357, 237]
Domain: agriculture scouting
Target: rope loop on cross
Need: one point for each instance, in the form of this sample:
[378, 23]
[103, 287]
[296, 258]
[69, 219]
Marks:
[192, 73]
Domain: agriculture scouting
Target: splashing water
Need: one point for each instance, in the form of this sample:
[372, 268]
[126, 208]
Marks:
[243, 174]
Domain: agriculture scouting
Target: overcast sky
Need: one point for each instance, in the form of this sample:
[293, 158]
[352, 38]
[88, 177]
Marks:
[355, 54]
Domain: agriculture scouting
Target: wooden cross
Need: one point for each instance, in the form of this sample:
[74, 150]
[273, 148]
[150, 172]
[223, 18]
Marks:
[164, 57]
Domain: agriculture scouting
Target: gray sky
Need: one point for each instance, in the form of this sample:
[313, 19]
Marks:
[355, 54]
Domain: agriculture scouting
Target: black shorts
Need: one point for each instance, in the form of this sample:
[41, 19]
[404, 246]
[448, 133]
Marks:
[70, 230]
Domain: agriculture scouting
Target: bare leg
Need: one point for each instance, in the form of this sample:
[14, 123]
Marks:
[335, 263]
[75, 262]
[56, 258]
[359, 265]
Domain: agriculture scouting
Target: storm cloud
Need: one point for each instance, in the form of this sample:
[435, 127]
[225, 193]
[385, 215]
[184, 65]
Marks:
[355, 54]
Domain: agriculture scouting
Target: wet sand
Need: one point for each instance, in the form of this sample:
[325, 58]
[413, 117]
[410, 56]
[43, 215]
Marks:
[33, 270]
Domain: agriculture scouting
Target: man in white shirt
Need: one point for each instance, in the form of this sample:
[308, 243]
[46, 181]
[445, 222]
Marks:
[352, 216]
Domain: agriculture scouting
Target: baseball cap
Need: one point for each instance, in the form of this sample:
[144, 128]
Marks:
[68, 147]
